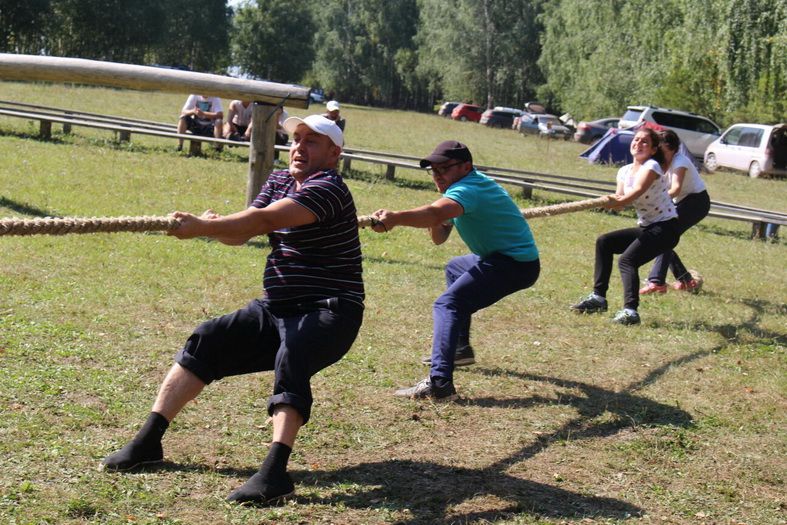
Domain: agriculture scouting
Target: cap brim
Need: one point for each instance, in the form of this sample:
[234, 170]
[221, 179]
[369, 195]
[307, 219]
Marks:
[292, 123]
[433, 159]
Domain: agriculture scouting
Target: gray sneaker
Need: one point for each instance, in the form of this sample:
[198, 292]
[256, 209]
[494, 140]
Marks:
[590, 305]
[424, 389]
[464, 356]
[625, 318]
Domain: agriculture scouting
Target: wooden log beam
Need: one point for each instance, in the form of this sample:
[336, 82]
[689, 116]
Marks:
[147, 78]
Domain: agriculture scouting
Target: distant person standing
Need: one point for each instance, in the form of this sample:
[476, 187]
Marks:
[202, 116]
[332, 113]
[238, 125]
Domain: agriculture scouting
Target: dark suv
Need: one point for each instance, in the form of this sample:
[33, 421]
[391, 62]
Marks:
[499, 117]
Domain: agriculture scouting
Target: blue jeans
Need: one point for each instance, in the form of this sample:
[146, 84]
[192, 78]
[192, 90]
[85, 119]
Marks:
[472, 283]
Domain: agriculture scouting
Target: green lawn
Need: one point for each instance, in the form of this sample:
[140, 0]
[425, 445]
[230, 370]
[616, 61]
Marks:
[565, 418]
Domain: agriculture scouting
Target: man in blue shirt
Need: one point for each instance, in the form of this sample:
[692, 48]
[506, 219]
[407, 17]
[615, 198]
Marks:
[504, 259]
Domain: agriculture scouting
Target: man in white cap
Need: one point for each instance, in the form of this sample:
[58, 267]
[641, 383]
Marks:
[332, 113]
[307, 319]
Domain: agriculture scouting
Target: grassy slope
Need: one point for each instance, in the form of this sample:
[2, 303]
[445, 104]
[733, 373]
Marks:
[564, 419]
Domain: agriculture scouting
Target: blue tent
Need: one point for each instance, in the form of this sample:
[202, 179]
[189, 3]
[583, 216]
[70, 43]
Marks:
[612, 148]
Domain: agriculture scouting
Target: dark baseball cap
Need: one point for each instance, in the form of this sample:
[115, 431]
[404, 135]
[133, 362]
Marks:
[445, 151]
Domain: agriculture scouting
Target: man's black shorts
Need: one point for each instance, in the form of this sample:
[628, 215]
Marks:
[296, 341]
[198, 128]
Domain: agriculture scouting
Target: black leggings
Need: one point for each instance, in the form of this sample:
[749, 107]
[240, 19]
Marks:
[636, 246]
[691, 210]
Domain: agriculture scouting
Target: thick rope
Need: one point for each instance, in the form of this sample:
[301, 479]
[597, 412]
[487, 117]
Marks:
[528, 213]
[62, 226]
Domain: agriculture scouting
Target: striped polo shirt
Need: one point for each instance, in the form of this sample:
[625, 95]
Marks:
[318, 260]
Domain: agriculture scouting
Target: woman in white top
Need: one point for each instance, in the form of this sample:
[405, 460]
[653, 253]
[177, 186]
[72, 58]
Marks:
[642, 184]
[692, 202]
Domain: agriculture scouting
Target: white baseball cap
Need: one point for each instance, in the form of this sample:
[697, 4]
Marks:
[318, 124]
[332, 105]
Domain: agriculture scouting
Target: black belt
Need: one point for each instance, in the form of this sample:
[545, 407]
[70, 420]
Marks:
[331, 303]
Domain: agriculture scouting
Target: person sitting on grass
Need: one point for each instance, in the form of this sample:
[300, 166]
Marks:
[692, 203]
[307, 320]
[504, 259]
[201, 116]
[642, 184]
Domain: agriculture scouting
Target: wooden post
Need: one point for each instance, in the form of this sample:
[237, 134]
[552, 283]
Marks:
[45, 129]
[264, 119]
[124, 136]
[758, 230]
[389, 172]
[195, 148]
[527, 192]
[67, 127]
[346, 164]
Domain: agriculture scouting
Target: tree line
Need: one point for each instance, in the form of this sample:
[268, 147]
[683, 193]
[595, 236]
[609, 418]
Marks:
[726, 59]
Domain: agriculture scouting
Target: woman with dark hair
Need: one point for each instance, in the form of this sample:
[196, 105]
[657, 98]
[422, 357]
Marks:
[642, 184]
[692, 202]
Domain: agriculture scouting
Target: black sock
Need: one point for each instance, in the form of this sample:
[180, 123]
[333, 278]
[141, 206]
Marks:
[276, 460]
[271, 482]
[144, 448]
[153, 429]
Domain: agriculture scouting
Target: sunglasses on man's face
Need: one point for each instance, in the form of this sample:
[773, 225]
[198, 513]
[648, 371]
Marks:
[442, 170]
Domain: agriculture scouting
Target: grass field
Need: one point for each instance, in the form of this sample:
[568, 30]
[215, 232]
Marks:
[565, 418]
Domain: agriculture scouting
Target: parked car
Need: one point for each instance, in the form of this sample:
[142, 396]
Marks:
[754, 148]
[317, 95]
[446, 109]
[534, 108]
[500, 117]
[589, 132]
[528, 122]
[465, 112]
[550, 127]
[695, 132]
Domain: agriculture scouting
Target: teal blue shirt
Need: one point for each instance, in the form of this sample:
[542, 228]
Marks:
[491, 221]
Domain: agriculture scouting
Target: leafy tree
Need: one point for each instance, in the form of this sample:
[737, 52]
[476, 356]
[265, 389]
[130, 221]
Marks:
[365, 51]
[482, 50]
[273, 39]
[22, 25]
[113, 30]
[196, 34]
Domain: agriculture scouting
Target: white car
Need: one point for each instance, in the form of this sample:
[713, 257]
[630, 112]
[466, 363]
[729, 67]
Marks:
[753, 148]
[694, 131]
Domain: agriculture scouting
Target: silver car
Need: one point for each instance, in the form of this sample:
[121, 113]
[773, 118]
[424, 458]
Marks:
[695, 132]
[754, 148]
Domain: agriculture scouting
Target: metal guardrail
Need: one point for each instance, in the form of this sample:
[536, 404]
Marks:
[527, 180]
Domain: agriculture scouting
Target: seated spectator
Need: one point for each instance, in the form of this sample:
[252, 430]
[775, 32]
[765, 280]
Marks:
[238, 125]
[333, 113]
[202, 116]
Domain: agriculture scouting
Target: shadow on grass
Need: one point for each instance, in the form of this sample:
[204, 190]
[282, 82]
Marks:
[26, 209]
[429, 491]
[733, 332]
